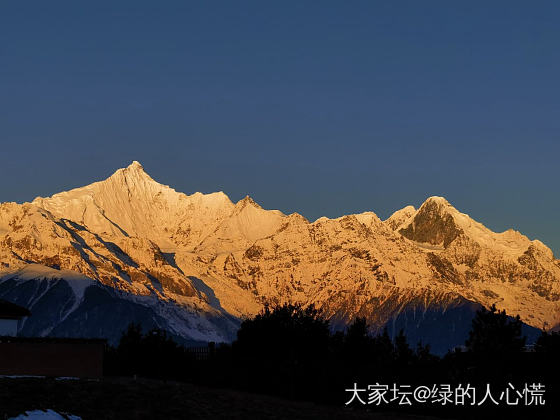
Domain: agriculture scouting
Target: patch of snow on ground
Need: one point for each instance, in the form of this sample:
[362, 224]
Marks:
[45, 415]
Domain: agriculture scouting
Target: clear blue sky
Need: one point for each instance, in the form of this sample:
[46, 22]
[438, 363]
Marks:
[324, 108]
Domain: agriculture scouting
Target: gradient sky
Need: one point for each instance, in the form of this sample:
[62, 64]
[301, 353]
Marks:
[325, 108]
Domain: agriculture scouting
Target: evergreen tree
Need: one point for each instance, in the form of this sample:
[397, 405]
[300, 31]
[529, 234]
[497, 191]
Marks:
[403, 353]
[549, 342]
[129, 350]
[494, 331]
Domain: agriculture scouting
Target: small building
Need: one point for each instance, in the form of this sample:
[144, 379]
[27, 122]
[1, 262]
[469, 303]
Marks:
[52, 357]
[45, 356]
[10, 316]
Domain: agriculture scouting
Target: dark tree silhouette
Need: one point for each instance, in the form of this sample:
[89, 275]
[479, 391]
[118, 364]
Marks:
[282, 347]
[284, 333]
[357, 332]
[153, 354]
[548, 342]
[494, 331]
[403, 353]
[162, 356]
[129, 350]
[290, 351]
[357, 342]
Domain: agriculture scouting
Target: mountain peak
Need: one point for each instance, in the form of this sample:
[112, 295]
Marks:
[436, 205]
[134, 176]
[437, 200]
[399, 218]
[135, 165]
[433, 223]
[247, 200]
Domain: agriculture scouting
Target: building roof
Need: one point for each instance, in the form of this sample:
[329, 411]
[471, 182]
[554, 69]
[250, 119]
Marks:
[9, 310]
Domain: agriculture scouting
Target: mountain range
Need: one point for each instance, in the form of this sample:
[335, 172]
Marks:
[88, 261]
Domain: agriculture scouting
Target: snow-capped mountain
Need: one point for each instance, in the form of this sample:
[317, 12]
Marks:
[90, 260]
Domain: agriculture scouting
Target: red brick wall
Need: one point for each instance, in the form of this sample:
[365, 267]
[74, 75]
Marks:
[82, 360]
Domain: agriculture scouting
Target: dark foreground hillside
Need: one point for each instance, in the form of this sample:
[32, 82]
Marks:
[288, 354]
[151, 399]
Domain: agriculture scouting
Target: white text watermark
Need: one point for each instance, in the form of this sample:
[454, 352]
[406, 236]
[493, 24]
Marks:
[460, 395]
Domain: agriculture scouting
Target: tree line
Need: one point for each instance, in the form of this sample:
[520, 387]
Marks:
[291, 351]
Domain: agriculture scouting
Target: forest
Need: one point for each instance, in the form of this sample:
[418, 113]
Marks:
[291, 352]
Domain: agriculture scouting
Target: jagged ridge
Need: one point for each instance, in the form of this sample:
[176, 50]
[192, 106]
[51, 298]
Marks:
[142, 238]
